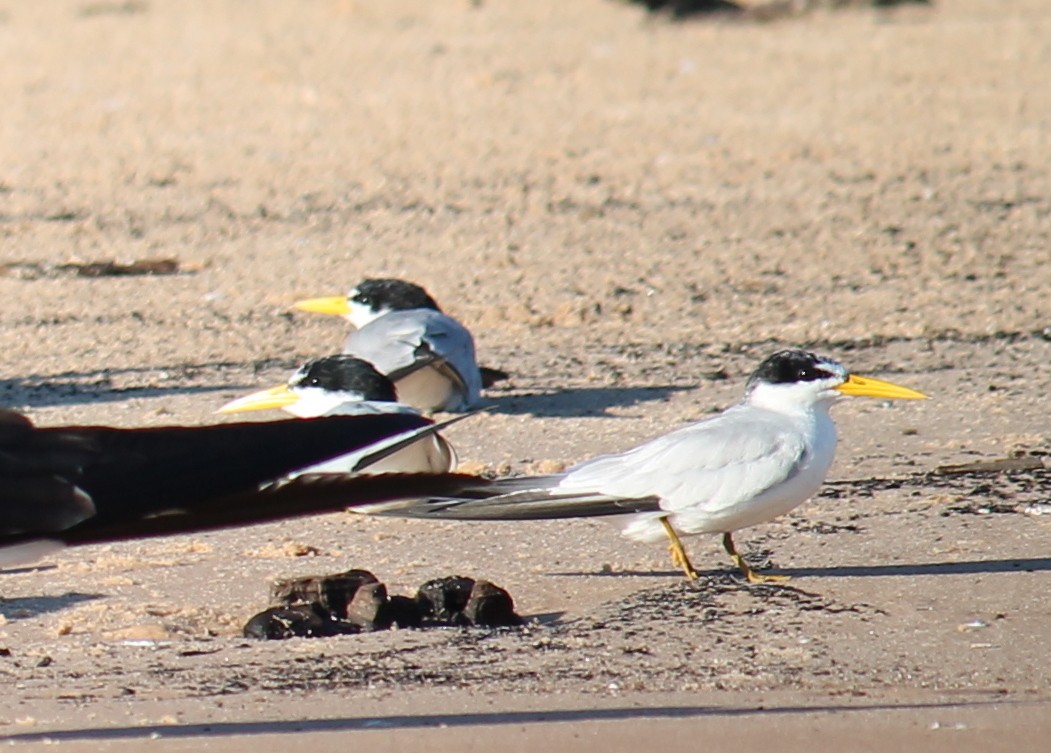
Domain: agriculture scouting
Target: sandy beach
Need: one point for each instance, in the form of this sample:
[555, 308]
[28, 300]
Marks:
[629, 213]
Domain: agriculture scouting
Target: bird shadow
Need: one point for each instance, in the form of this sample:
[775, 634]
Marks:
[97, 385]
[24, 607]
[51, 394]
[973, 567]
[624, 573]
[26, 569]
[546, 618]
[580, 401]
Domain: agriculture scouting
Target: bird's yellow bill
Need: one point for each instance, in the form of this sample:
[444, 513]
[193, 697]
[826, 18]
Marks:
[869, 387]
[335, 305]
[275, 397]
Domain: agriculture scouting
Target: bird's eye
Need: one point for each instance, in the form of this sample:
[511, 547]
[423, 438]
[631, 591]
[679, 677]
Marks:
[362, 298]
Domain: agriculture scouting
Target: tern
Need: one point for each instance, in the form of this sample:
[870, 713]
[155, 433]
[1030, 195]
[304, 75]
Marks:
[402, 332]
[344, 385]
[71, 485]
[747, 465]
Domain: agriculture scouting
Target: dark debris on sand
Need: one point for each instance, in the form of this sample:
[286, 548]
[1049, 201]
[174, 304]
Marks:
[356, 601]
[681, 634]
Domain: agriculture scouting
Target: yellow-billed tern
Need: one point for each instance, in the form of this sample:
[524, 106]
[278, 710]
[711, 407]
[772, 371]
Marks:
[747, 465]
[344, 385]
[401, 331]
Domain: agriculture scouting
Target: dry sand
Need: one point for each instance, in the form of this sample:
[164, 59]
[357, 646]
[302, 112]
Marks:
[629, 213]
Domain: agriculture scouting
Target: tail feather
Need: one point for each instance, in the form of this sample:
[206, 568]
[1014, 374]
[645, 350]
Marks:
[524, 498]
[491, 376]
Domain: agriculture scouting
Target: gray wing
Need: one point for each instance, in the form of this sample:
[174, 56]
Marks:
[707, 467]
[710, 465]
[401, 342]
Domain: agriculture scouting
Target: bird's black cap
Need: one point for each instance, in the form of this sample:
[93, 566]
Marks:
[344, 373]
[397, 295]
[790, 367]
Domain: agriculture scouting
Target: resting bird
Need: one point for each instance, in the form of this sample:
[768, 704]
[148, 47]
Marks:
[343, 385]
[88, 484]
[402, 332]
[747, 465]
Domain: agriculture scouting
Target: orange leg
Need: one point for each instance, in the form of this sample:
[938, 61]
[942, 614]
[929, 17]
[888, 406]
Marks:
[750, 575]
[678, 552]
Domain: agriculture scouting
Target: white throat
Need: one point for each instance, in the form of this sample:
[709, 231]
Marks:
[314, 402]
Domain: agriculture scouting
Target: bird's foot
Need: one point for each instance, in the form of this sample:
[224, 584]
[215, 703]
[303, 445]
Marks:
[749, 574]
[680, 560]
[678, 552]
[753, 577]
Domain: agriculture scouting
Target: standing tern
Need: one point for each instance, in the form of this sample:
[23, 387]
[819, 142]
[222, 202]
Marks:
[747, 465]
[402, 332]
[344, 385]
[88, 484]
